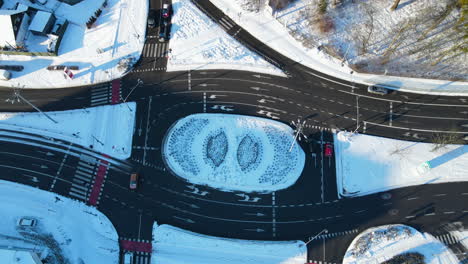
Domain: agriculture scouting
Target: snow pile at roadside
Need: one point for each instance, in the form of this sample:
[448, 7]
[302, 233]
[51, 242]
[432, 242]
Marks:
[233, 152]
[106, 129]
[198, 43]
[274, 30]
[117, 36]
[368, 164]
[177, 246]
[69, 231]
[380, 244]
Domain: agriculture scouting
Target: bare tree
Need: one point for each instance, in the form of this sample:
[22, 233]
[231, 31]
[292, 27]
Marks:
[395, 5]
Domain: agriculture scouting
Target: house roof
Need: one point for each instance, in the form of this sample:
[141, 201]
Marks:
[9, 12]
[40, 20]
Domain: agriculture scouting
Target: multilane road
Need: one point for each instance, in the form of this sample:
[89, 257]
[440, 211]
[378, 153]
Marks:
[299, 212]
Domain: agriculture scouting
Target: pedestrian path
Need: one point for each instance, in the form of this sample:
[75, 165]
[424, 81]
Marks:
[82, 180]
[136, 245]
[319, 262]
[155, 50]
[116, 91]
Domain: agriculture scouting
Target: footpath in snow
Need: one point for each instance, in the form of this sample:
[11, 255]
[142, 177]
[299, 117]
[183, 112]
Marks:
[369, 164]
[234, 152]
[66, 231]
[106, 129]
[384, 243]
[176, 246]
[264, 26]
[117, 37]
[197, 43]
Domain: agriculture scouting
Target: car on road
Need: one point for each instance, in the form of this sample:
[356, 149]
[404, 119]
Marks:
[163, 31]
[152, 18]
[134, 180]
[27, 222]
[166, 11]
[328, 151]
[377, 90]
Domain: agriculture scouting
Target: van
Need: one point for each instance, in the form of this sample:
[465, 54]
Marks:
[5, 75]
[134, 180]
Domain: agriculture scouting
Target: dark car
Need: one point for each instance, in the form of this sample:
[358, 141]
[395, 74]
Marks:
[163, 31]
[152, 18]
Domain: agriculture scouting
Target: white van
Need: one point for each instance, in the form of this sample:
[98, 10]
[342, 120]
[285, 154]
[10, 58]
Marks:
[5, 75]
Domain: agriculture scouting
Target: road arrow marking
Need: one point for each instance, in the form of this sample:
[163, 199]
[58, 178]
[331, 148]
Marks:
[223, 108]
[194, 206]
[207, 84]
[188, 220]
[260, 76]
[255, 214]
[258, 88]
[263, 100]
[258, 230]
[214, 96]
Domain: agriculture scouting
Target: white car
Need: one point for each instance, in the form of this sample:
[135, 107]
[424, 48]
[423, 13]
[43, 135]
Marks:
[377, 90]
[27, 222]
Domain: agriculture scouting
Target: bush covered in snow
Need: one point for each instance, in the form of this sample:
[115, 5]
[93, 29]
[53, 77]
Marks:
[233, 152]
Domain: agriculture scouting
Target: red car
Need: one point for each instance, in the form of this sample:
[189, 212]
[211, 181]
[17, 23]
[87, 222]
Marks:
[134, 181]
[328, 150]
[166, 10]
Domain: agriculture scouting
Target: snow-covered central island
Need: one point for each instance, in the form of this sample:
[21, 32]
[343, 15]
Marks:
[233, 152]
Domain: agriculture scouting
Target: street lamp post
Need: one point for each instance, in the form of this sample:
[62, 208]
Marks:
[17, 96]
[139, 81]
[310, 240]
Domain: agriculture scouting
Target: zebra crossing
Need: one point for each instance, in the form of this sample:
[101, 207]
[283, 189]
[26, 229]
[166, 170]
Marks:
[448, 239]
[141, 258]
[83, 178]
[155, 50]
[226, 23]
[101, 94]
[319, 262]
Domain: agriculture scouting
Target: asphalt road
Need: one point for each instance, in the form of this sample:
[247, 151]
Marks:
[299, 212]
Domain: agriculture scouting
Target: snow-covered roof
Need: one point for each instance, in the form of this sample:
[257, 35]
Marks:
[39, 21]
[7, 35]
[16, 257]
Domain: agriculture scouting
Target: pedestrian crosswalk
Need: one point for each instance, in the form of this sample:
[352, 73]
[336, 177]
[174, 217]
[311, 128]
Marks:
[342, 233]
[141, 258]
[320, 262]
[448, 239]
[226, 23]
[82, 180]
[155, 50]
[101, 94]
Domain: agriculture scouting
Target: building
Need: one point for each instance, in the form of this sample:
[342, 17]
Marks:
[14, 26]
[42, 23]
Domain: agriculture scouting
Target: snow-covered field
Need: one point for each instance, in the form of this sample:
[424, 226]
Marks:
[233, 152]
[368, 164]
[119, 32]
[198, 43]
[176, 246]
[277, 31]
[108, 129]
[379, 244]
[68, 231]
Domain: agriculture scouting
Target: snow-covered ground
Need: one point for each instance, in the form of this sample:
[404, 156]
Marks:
[198, 43]
[108, 129]
[369, 164]
[176, 246]
[69, 231]
[233, 152]
[119, 33]
[275, 30]
[379, 244]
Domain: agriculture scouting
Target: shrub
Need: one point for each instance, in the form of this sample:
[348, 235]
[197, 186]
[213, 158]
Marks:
[322, 6]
